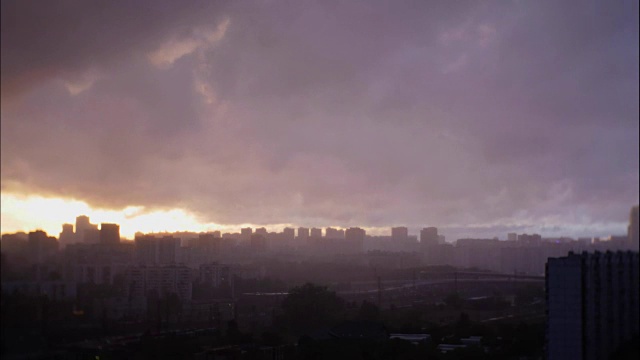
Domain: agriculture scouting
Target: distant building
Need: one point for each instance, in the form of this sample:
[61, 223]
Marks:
[258, 243]
[634, 229]
[168, 248]
[91, 235]
[429, 236]
[534, 239]
[146, 249]
[354, 237]
[303, 233]
[67, 236]
[316, 233]
[512, 237]
[206, 248]
[399, 233]
[289, 234]
[82, 224]
[245, 233]
[214, 274]
[15, 244]
[262, 231]
[150, 250]
[441, 239]
[41, 247]
[163, 280]
[86, 232]
[109, 234]
[331, 233]
[592, 304]
[54, 290]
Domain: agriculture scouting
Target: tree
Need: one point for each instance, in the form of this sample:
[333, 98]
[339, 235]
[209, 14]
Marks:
[309, 307]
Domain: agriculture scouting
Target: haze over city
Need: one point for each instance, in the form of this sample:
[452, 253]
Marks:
[319, 179]
[480, 118]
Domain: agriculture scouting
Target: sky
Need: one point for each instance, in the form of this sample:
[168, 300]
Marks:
[478, 117]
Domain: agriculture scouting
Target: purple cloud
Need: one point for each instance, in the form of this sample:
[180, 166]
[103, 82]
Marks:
[327, 113]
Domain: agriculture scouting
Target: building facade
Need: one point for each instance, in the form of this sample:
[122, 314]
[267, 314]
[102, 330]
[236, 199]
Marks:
[592, 304]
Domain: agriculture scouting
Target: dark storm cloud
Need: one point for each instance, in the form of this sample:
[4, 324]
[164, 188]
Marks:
[328, 113]
[41, 39]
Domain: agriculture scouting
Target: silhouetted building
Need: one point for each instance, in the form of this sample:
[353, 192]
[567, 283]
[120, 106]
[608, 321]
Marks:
[86, 232]
[399, 234]
[15, 244]
[354, 237]
[141, 280]
[41, 247]
[592, 304]
[214, 274]
[303, 233]
[262, 231]
[168, 250]
[109, 234]
[245, 233]
[91, 235]
[206, 248]
[512, 236]
[331, 233]
[151, 250]
[258, 243]
[634, 229]
[316, 233]
[533, 239]
[146, 251]
[67, 236]
[289, 234]
[429, 236]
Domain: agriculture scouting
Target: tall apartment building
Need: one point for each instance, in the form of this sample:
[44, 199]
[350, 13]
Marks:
[142, 279]
[354, 239]
[109, 234]
[592, 304]
[245, 233]
[215, 274]
[258, 243]
[82, 224]
[533, 239]
[316, 233]
[41, 247]
[91, 235]
[288, 234]
[303, 234]
[634, 228]
[399, 234]
[429, 236]
[67, 236]
[331, 233]
[151, 250]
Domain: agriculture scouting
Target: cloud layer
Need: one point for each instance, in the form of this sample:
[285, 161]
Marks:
[370, 113]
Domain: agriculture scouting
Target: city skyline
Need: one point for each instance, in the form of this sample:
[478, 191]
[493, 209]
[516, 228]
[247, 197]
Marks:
[137, 219]
[483, 118]
[432, 234]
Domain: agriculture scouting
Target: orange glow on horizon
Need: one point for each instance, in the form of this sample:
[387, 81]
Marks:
[28, 213]
[33, 212]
